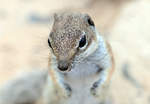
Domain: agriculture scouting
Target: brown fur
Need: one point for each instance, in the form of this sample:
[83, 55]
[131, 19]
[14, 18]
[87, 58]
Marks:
[66, 33]
[112, 69]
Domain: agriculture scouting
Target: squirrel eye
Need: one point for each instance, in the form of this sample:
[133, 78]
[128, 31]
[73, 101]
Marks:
[82, 42]
[49, 43]
[90, 21]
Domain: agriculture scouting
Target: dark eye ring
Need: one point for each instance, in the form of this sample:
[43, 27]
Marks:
[49, 43]
[82, 42]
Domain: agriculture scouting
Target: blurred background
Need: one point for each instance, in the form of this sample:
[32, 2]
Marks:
[25, 26]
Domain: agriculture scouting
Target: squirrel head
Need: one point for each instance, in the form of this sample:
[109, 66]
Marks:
[71, 35]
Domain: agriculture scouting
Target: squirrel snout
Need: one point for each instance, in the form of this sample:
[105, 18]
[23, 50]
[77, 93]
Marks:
[63, 65]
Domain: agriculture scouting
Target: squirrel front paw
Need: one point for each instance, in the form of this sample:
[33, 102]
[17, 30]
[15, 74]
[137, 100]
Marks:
[94, 89]
[68, 89]
[99, 89]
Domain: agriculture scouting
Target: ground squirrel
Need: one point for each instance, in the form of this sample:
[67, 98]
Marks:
[81, 62]
[80, 65]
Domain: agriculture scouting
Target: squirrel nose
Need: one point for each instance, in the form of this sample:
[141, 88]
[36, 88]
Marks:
[63, 65]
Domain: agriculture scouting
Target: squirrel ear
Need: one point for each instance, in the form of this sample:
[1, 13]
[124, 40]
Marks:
[56, 17]
[86, 16]
[89, 20]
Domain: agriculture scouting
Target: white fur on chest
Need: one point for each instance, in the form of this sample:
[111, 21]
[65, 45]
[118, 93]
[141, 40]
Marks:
[81, 81]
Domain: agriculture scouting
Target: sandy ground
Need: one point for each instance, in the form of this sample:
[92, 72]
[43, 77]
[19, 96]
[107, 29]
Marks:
[25, 25]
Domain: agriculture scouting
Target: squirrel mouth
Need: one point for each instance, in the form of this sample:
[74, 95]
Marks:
[64, 66]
